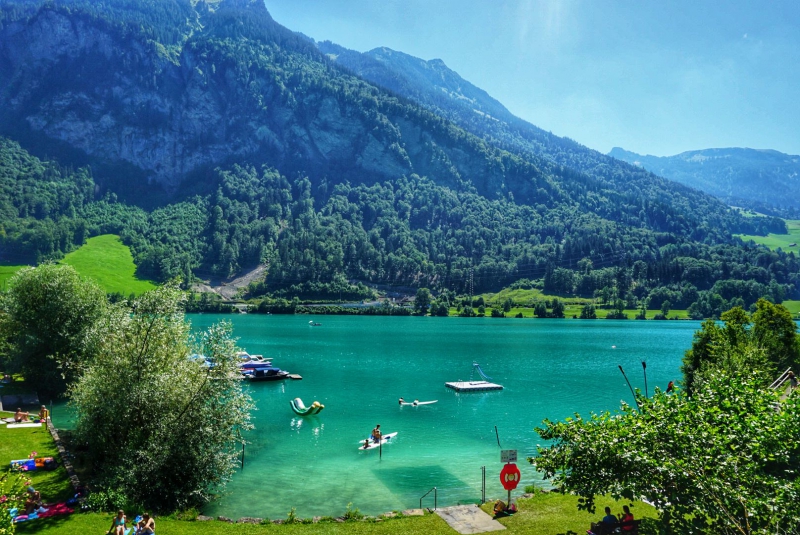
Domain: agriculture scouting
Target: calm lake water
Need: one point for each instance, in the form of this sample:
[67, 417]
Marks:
[358, 367]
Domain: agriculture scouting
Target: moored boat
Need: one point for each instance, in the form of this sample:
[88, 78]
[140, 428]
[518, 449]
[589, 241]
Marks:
[265, 373]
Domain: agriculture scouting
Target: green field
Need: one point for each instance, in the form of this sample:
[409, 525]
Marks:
[575, 310]
[782, 241]
[6, 272]
[107, 261]
[524, 299]
[792, 306]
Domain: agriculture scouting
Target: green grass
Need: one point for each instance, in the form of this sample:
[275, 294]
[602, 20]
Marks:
[107, 261]
[544, 514]
[782, 241]
[19, 443]
[792, 306]
[6, 272]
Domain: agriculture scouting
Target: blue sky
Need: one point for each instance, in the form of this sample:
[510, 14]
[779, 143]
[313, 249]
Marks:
[649, 76]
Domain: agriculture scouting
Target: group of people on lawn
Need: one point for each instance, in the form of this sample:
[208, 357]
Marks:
[146, 526]
[610, 522]
[20, 416]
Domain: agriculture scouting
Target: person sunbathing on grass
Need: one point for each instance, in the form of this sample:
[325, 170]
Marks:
[147, 526]
[118, 524]
[20, 416]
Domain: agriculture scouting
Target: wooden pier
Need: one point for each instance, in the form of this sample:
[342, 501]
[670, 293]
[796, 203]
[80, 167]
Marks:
[295, 376]
[473, 386]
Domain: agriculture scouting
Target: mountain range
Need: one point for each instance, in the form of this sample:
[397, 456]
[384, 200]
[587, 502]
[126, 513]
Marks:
[763, 180]
[217, 139]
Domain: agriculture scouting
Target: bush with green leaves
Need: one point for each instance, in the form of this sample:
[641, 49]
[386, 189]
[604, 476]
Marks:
[48, 319]
[765, 340]
[12, 495]
[159, 428]
[723, 460]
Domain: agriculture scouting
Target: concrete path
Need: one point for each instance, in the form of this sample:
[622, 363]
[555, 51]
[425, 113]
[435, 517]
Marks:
[469, 519]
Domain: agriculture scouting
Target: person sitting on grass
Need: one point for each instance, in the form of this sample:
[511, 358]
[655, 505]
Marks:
[118, 524]
[606, 525]
[147, 526]
[627, 519]
[20, 416]
[44, 414]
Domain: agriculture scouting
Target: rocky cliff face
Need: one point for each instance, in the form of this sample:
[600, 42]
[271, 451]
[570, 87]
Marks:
[220, 94]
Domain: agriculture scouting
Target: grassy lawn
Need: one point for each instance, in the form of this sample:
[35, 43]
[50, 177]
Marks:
[109, 262]
[775, 241]
[19, 443]
[544, 514]
[792, 306]
[6, 272]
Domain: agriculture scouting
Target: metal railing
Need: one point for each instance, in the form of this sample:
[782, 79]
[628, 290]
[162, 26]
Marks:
[483, 485]
[435, 498]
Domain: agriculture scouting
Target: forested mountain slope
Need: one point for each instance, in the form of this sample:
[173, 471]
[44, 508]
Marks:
[269, 151]
[764, 180]
[434, 86]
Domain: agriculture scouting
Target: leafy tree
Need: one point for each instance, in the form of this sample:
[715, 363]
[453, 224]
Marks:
[422, 301]
[440, 307]
[588, 312]
[508, 303]
[665, 307]
[775, 332]
[48, 320]
[722, 460]
[557, 308]
[764, 341]
[540, 309]
[158, 426]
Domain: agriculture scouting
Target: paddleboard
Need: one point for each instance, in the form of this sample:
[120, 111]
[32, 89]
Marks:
[372, 445]
[418, 403]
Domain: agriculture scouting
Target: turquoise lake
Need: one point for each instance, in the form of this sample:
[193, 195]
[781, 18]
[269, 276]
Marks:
[358, 367]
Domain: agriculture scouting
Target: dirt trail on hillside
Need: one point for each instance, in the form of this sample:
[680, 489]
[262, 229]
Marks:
[228, 288]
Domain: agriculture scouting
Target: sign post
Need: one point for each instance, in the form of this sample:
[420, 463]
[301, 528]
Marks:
[509, 475]
[508, 456]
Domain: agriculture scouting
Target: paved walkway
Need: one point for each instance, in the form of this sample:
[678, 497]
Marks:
[468, 519]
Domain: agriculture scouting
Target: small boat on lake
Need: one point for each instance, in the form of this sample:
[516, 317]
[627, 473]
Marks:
[264, 373]
[247, 359]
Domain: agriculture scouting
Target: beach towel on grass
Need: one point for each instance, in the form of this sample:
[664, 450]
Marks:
[24, 424]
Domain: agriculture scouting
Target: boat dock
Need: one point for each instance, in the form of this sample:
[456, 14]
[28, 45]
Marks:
[295, 376]
[473, 386]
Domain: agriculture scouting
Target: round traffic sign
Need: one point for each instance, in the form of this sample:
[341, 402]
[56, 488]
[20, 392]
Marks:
[510, 476]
